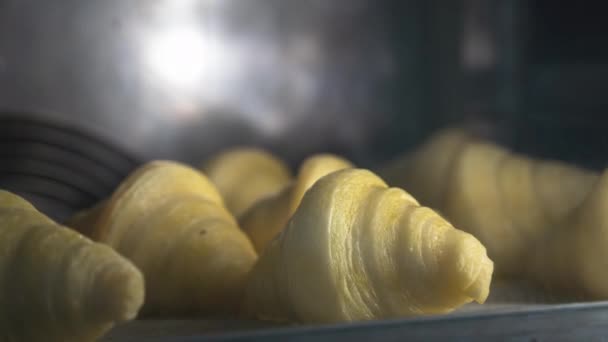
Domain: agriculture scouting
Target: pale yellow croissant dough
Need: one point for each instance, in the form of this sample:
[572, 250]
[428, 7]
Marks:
[425, 172]
[245, 175]
[572, 259]
[356, 250]
[84, 221]
[55, 284]
[171, 222]
[10, 200]
[508, 201]
[265, 219]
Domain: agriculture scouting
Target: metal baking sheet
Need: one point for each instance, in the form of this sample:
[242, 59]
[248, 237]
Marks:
[567, 322]
[514, 312]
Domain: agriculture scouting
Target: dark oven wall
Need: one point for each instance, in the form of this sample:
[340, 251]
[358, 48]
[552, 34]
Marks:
[552, 81]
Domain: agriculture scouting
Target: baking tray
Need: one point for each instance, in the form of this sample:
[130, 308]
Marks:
[515, 312]
[564, 322]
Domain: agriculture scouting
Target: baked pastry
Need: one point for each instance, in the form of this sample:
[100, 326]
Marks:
[356, 249]
[244, 175]
[170, 221]
[510, 202]
[264, 220]
[57, 285]
[572, 259]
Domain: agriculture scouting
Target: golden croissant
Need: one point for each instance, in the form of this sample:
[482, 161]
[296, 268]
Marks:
[508, 201]
[572, 259]
[170, 221]
[57, 285]
[264, 220]
[356, 249]
[245, 175]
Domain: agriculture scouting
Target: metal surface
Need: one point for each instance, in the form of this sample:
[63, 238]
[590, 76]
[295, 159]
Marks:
[57, 167]
[182, 79]
[363, 78]
[515, 310]
[568, 322]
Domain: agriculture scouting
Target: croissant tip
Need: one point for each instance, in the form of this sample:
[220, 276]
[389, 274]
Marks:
[468, 265]
[118, 293]
[479, 290]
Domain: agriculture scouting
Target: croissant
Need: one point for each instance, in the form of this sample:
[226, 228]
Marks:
[356, 250]
[170, 221]
[264, 220]
[245, 175]
[425, 172]
[572, 260]
[84, 221]
[561, 188]
[57, 285]
[508, 201]
[10, 200]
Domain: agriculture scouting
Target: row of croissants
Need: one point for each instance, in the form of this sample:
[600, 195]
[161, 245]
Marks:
[243, 237]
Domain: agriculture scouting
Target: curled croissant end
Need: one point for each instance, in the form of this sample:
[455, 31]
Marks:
[572, 260]
[374, 253]
[169, 220]
[64, 286]
[475, 204]
[246, 175]
[265, 219]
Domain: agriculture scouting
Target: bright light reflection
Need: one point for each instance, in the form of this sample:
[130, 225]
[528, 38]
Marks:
[198, 65]
[179, 56]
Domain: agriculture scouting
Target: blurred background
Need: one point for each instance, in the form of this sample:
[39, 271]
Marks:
[90, 89]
